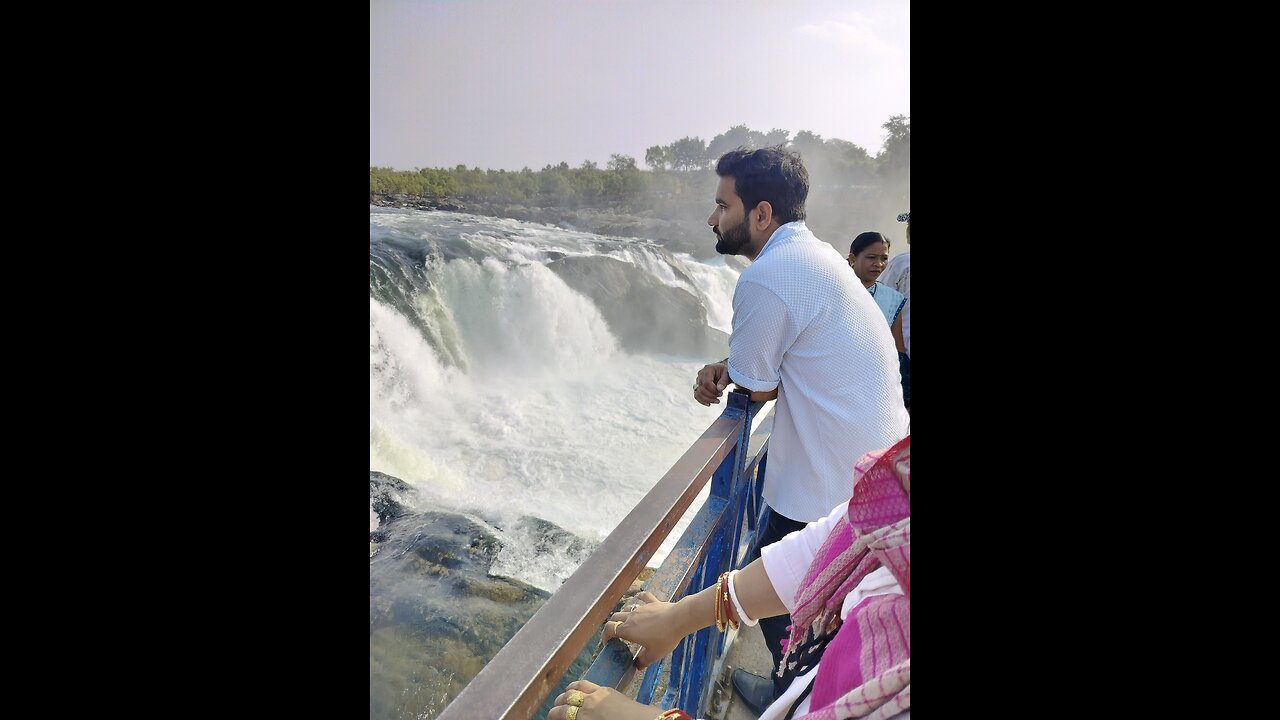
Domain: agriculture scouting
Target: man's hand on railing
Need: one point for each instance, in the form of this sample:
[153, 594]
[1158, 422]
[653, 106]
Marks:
[714, 378]
[710, 384]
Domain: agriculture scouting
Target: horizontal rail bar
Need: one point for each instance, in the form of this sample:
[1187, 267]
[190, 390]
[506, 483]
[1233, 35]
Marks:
[617, 660]
[515, 682]
[687, 563]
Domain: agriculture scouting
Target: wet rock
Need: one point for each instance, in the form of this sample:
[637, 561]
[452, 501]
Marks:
[546, 537]
[435, 614]
[390, 497]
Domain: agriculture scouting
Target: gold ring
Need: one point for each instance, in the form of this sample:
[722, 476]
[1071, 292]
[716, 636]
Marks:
[575, 698]
[572, 714]
[616, 624]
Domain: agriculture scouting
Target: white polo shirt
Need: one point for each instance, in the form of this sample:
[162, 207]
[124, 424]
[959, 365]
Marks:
[802, 318]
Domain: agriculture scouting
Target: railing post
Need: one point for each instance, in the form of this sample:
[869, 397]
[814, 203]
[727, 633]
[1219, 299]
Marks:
[739, 494]
[729, 484]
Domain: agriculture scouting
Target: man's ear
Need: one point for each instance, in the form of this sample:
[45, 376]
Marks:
[762, 215]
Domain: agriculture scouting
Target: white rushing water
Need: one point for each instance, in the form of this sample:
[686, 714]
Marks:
[544, 414]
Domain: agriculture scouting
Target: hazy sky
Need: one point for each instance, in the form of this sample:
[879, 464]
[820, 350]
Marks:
[515, 83]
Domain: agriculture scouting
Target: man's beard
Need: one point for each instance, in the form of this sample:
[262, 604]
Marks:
[731, 241]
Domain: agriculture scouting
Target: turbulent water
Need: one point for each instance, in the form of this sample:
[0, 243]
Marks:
[523, 377]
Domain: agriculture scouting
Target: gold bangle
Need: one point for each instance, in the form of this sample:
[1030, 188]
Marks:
[719, 622]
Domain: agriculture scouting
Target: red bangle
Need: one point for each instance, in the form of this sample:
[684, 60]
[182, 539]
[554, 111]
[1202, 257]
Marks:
[730, 615]
[674, 714]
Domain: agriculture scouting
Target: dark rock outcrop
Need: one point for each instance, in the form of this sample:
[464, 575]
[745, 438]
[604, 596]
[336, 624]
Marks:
[389, 496]
[546, 537]
[436, 616]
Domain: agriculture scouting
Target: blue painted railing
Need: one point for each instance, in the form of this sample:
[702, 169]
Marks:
[524, 672]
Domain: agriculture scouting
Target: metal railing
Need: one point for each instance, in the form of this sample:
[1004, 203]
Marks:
[519, 678]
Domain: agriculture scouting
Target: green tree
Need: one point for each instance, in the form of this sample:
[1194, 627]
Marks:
[849, 186]
[689, 153]
[846, 151]
[657, 157]
[731, 139]
[589, 184]
[895, 161]
[808, 144]
[897, 137]
[775, 137]
[557, 188]
[621, 163]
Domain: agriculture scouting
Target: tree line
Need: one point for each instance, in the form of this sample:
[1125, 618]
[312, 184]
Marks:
[839, 172]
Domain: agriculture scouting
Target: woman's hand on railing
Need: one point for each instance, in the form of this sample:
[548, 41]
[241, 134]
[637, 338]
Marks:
[656, 625]
[592, 702]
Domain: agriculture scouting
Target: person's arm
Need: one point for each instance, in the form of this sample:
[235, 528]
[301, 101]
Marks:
[712, 380]
[896, 327]
[660, 626]
[763, 329]
[761, 396]
[764, 396]
[787, 561]
[763, 589]
[710, 383]
[755, 593]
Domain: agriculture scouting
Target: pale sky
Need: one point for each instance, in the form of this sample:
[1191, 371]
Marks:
[514, 83]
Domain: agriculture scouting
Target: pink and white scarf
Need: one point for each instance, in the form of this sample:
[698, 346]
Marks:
[865, 670]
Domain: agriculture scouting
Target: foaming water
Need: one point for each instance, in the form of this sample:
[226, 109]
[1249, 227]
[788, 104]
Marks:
[531, 408]
[715, 282]
[652, 261]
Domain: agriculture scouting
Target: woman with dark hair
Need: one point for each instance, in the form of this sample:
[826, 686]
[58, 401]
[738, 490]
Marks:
[868, 256]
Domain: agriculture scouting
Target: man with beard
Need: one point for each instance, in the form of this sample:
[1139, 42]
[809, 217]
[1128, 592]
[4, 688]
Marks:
[806, 332]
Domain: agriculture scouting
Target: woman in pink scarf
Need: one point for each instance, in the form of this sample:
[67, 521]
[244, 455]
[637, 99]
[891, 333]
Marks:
[854, 600]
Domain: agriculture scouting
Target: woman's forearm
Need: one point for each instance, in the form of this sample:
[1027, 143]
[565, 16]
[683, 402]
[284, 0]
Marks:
[755, 592]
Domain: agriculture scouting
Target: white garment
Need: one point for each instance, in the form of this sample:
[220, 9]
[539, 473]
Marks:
[786, 562]
[802, 319]
[897, 275]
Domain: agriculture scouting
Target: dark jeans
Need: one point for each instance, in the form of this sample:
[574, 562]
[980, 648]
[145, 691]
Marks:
[774, 629]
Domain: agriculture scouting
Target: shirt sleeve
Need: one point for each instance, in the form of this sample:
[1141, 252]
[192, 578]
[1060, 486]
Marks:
[762, 331]
[787, 561]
